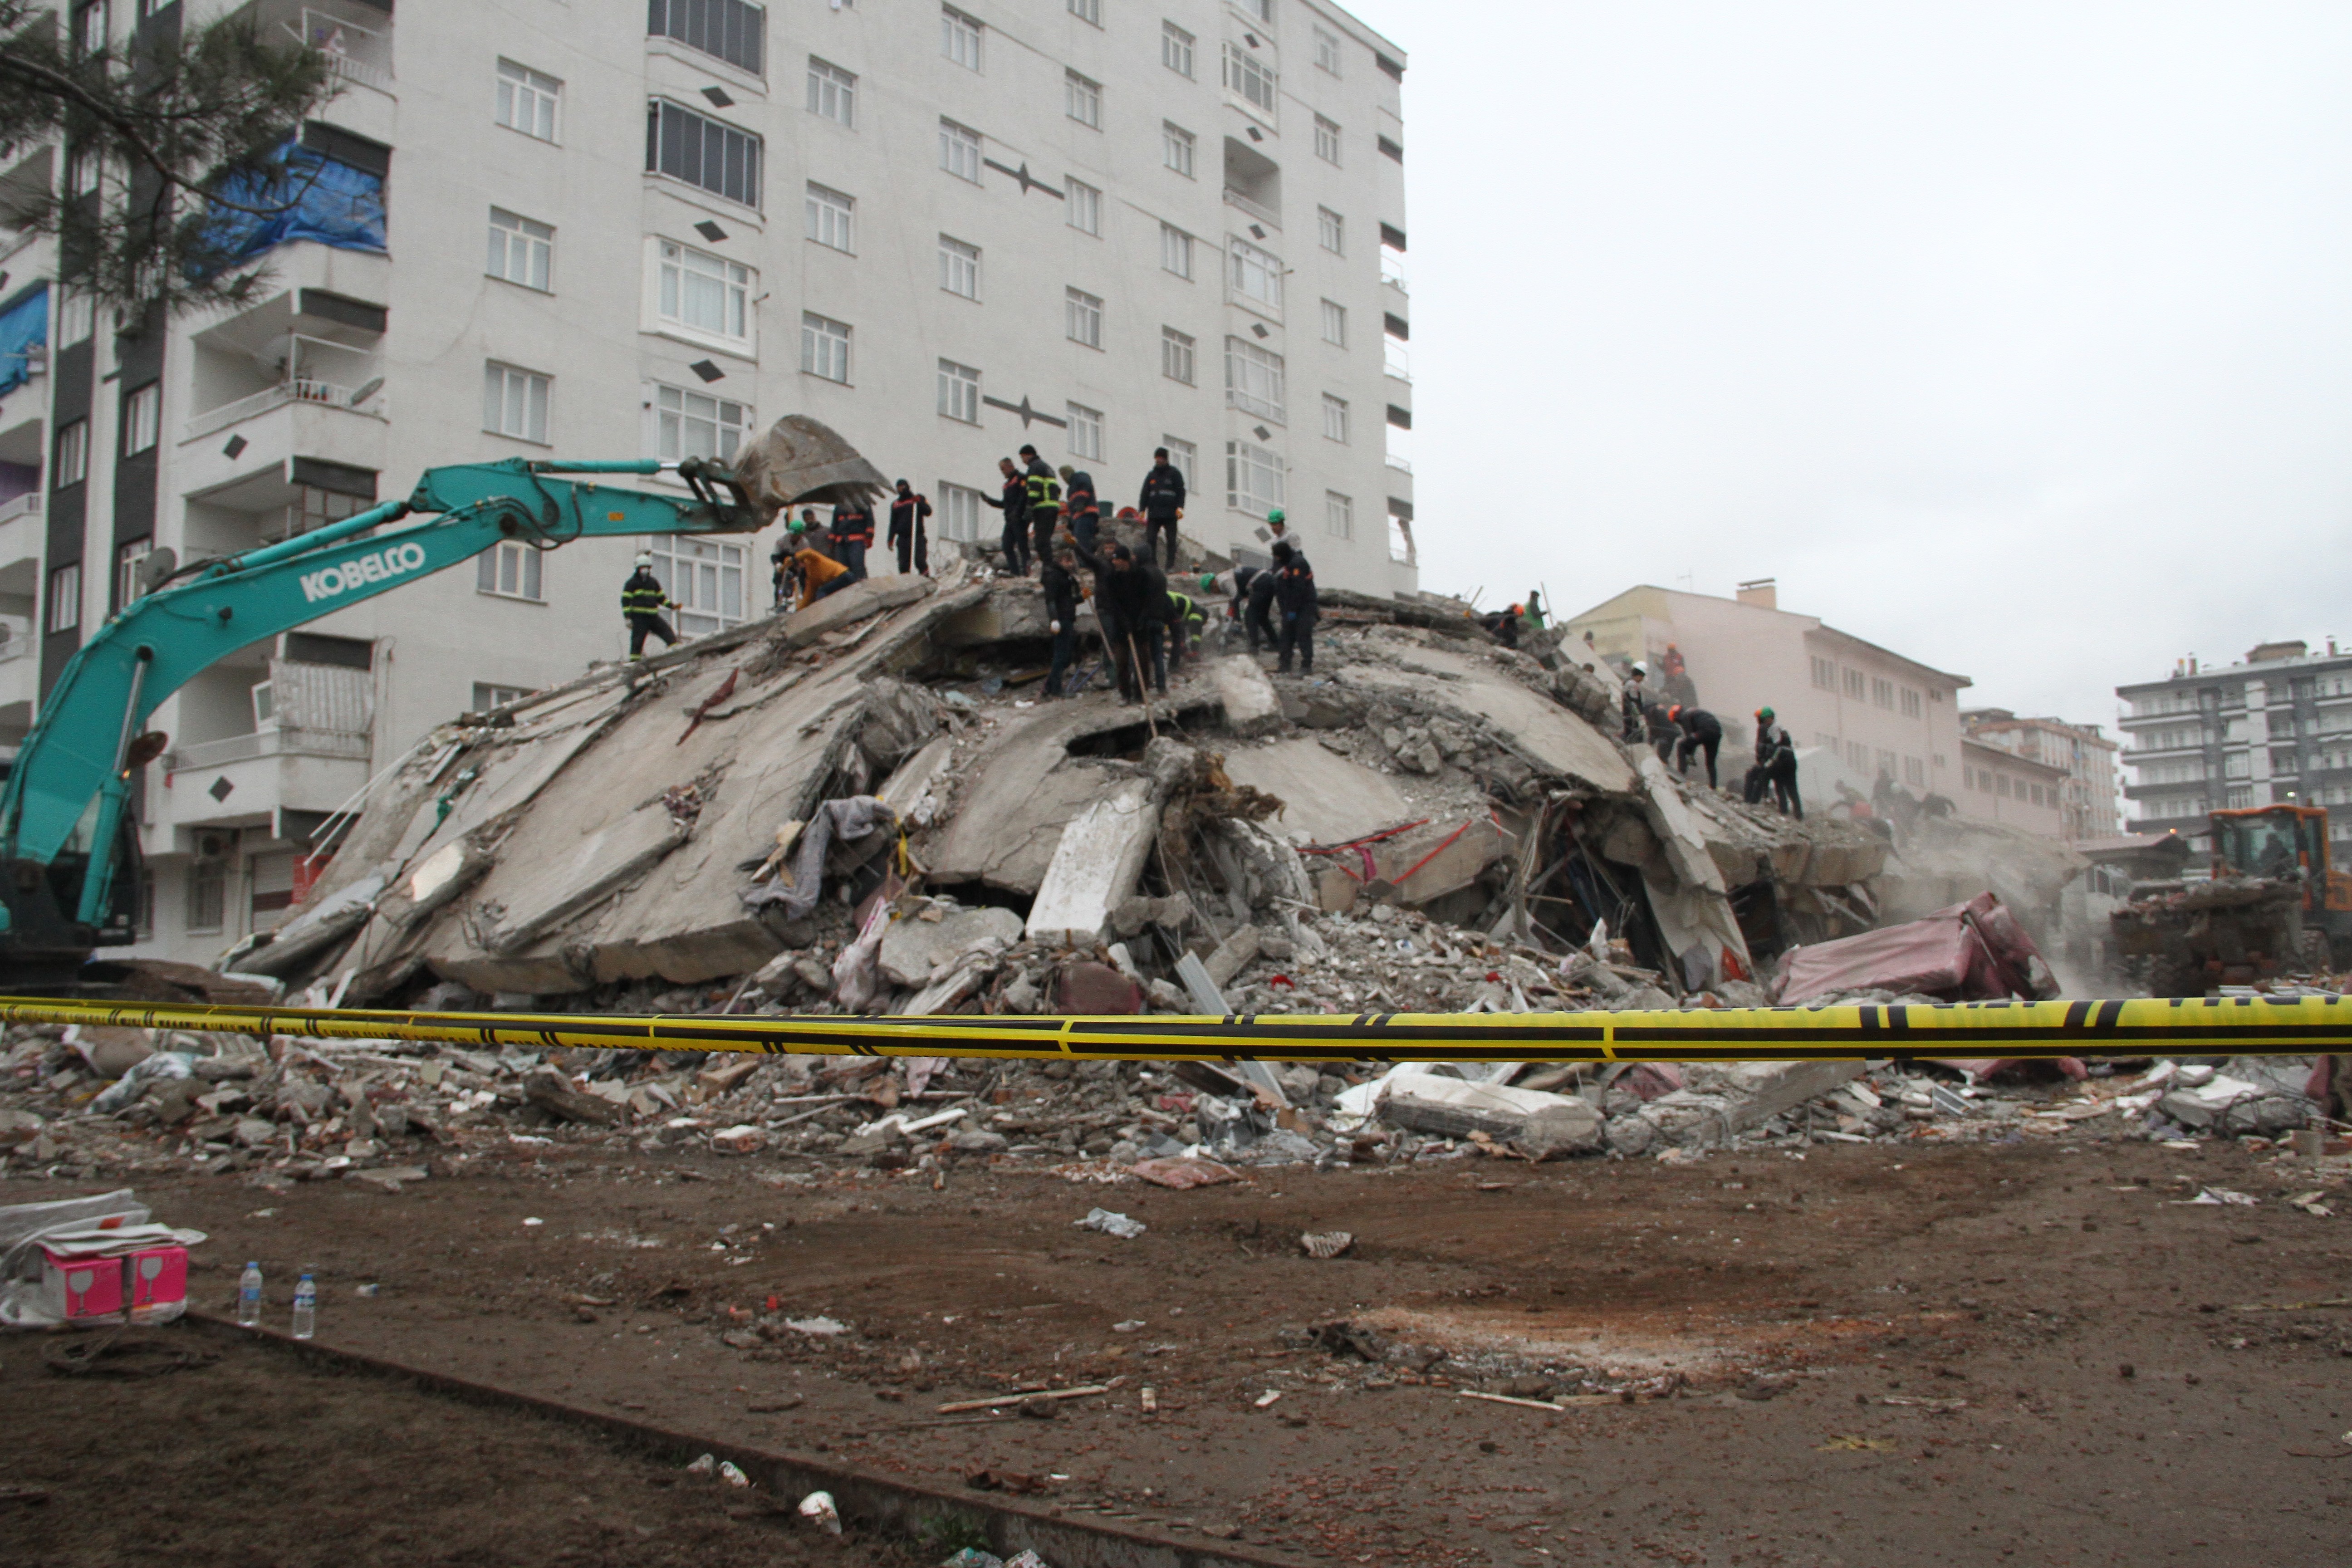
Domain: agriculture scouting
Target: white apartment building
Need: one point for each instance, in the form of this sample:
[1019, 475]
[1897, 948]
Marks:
[646, 230]
[2083, 795]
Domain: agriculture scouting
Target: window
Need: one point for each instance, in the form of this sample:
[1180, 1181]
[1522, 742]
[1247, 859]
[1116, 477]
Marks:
[1261, 9]
[1910, 703]
[1082, 317]
[514, 402]
[704, 153]
[1335, 419]
[959, 37]
[1882, 692]
[1178, 148]
[90, 27]
[1338, 515]
[142, 418]
[959, 512]
[1082, 99]
[1181, 456]
[1086, 430]
[1327, 51]
[1253, 379]
[704, 293]
[1853, 684]
[697, 425]
[526, 101]
[2000, 785]
[959, 150]
[77, 318]
[82, 168]
[959, 267]
[960, 391]
[1245, 75]
[1176, 46]
[511, 570]
[1332, 229]
[729, 30]
[64, 598]
[207, 896]
[1335, 323]
[73, 454]
[1175, 251]
[705, 577]
[1824, 673]
[521, 251]
[825, 347]
[1327, 140]
[1256, 275]
[488, 697]
[1086, 11]
[832, 218]
[1252, 479]
[1857, 756]
[1177, 355]
[126, 557]
[831, 92]
[1085, 202]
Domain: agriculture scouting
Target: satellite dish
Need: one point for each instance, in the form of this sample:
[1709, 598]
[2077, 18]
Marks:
[367, 390]
[156, 565]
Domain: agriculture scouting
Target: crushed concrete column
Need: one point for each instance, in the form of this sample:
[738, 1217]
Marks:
[1101, 854]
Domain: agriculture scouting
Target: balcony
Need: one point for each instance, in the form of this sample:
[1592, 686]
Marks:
[242, 780]
[1396, 361]
[366, 399]
[1258, 210]
[1401, 465]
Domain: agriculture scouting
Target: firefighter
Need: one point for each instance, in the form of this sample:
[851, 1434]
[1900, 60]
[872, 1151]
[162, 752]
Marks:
[643, 600]
[1045, 501]
[908, 534]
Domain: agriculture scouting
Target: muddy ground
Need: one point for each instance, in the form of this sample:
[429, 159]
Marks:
[1865, 1356]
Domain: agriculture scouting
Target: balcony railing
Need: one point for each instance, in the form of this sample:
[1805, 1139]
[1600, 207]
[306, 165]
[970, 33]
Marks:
[354, 53]
[282, 741]
[1264, 214]
[322, 394]
[1396, 361]
[16, 637]
[26, 505]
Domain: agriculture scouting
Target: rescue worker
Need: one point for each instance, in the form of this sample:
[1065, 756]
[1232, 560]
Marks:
[1631, 702]
[1702, 732]
[906, 531]
[1294, 592]
[1257, 621]
[1535, 610]
[1015, 507]
[1045, 501]
[1185, 620]
[1080, 504]
[1161, 504]
[780, 562]
[1776, 767]
[1131, 601]
[1663, 731]
[852, 536]
[816, 574]
[643, 600]
[1059, 577]
[1675, 678]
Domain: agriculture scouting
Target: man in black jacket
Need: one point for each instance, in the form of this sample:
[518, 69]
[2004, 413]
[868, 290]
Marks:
[1132, 602]
[1080, 504]
[1257, 620]
[1776, 767]
[643, 600]
[1162, 505]
[906, 531]
[1015, 507]
[1294, 592]
[1702, 732]
[1043, 489]
[1059, 577]
[1664, 733]
[852, 536]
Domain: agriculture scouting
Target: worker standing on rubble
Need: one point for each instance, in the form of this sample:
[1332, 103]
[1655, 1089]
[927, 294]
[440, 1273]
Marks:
[1184, 618]
[1632, 700]
[907, 535]
[852, 536]
[1015, 507]
[1162, 504]
[1257, 620]
[643, 600]
[780, 561]
[1301, 607]
[1533, 615]
[1776, 767]
[1058, 575]
[1702, 732]
[1132, 602]
[1045, 501]
[1664, 733]
[1080, 503]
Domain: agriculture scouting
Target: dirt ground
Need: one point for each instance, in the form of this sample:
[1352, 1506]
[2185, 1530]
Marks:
[1866, 1356]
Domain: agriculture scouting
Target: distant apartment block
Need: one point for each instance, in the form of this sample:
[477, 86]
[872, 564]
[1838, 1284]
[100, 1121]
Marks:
[2083, 793]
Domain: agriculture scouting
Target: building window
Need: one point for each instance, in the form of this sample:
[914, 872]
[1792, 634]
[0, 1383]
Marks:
[959, 391]
[514, 402]
[526, 101]
[959, 512]
[1853, 684]
[1175, 251]
[1261, 9]
[1245, 75]
[64, 598]
[1252, 479]
[1335, 419]
[697, 425]
[1181, 456]
[1335, 323]
[705, 577]
[511, 570]
[1338, 515]
[1086, 430]
[1176, 48]
[1253, 379]
[1177, 355]
[1082, 317]
[1327, 51]
[77, 318]
[488, 697]
[1910, 703]
[73, 455]
[825, 347]
[704, 153]
[832, 218]
[1082, 99]
[83, 164]
[831, 92]
[142, 418]
[521, 251]
[1179, 148]
[1327, 140]
[959, 267]
[959, 150]
[729, 30]
[1882, 692]
[207, 898]
[1085, 202]
[1824, 673]
[1256, 275]
[126, 557]
[959, 37]
[2000, 786]
[1332, 229]
[704, 293]
[1086, 11]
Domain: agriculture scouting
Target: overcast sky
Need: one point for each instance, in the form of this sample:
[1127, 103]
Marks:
[2015, 337]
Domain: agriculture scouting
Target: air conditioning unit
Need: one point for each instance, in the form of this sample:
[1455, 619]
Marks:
[214, 845]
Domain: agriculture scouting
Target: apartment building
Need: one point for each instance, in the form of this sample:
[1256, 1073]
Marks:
[2083, 796]
[1998, 785]
[545, 229]
[2274, 727]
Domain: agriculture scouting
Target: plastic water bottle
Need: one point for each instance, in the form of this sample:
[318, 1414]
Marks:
[306, 1309]
[248, 1297]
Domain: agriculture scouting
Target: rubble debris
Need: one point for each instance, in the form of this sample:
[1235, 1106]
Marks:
[1975, 951]
[1110, 1224]
[1326, 1243]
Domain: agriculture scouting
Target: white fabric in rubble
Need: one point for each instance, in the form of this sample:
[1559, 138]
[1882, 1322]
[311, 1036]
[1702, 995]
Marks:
[849, 818]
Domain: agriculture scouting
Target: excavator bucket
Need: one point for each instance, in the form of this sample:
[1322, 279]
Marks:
[800, 459]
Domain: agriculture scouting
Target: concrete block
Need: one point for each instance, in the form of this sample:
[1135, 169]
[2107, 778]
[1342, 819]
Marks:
[1543, 1124]
[1776, 1087]
[914, 950]
[735, 945]
[597, 866]
[1247, 695]
[1011, 611]
[853, 604]
[1232, 955]
[1097, 864]
[1327, 797]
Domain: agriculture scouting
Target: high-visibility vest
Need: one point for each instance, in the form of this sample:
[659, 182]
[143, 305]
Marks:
[1045, 493]
[642, 595]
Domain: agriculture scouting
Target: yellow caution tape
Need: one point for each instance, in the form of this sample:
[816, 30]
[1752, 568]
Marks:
[2233, 1025]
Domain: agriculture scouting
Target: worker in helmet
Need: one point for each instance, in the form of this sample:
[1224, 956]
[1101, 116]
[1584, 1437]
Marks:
[643, 600]
[1630, 701]
[1702, 732]
[1278, 524]
[812, 574]
[1776, 767]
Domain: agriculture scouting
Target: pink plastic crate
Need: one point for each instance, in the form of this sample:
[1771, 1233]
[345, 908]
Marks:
[158, 1282]
[82, 1289]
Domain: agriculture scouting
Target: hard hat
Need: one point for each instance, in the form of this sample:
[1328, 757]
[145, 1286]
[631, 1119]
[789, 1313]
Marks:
[1640, 669]
[1275, 516]
[644, 558]
[1675, 712]
[1208, 581]
[796, 526]
[1765, 713]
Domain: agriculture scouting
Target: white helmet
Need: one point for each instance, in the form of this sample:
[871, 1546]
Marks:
[1641, 669]
[644, 558]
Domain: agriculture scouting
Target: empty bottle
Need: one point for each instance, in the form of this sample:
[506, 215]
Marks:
[306, 1309]
[248, 1297]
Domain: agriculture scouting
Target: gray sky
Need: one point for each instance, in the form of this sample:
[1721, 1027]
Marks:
[2016, 337]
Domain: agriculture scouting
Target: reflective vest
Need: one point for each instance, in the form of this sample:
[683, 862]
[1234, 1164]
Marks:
[1045, 493]
[1187, 613]
[642, 595]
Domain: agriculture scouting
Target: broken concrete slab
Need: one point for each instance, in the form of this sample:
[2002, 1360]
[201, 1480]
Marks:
[914, 951]
[1327, 797]
[1010, 612]
[1017, 790]
[1419, 864]
[1232, 955]
[853, 604]
[598, 865]
[1101, 853]
[1543, 1124]
[1548, 736]
[1247, 695]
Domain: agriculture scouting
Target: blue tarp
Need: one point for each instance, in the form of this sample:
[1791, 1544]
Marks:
[331, 203]
[24, 327]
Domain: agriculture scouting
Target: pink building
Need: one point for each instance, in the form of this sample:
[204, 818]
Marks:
[2084, 760]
